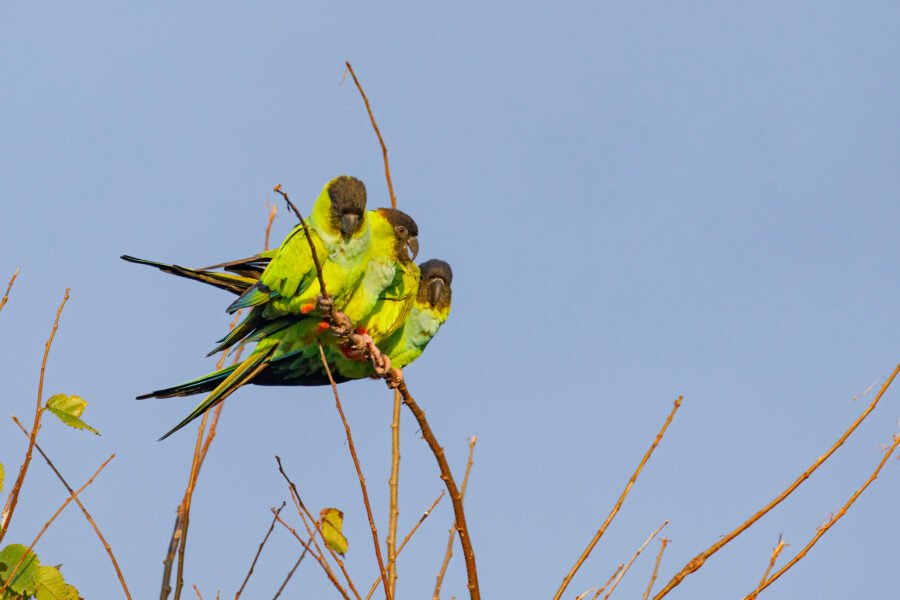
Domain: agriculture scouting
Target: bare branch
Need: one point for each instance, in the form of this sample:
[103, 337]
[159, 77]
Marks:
[829, 523]
[448, 553]
[393, 487]
[698, 561]
[308, 518]
[9, 287]
[37, 538]
[13, 498]
[84, 510]
[359, 473]
[258, 552]
[293, 569]
[406, 539]
[615, 510]
[321, 560]
[616, 581]
[455, 496]
[662, 548]
[384, 151]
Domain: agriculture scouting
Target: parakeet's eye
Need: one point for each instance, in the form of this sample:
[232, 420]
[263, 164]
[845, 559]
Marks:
[401, 230]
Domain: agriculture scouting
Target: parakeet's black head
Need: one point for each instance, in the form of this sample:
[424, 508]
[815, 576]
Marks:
[348, 204]
[434, 283]
[405, 232]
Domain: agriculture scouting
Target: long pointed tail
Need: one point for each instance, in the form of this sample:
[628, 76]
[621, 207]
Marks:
[236, 284]
[200, 385]
[241, 375]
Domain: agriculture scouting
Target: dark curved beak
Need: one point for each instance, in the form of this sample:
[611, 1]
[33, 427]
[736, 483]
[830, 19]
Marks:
[435, 290]
[413, 245]
[349, 224]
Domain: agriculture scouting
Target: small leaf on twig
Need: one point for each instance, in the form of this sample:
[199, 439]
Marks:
[52, 586]
[68, 409]
[1, 477]
[332, 529]
[24, 581]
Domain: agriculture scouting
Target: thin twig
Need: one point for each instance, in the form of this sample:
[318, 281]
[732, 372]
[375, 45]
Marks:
[9, 287]
[308, 518]
[321, 560]
[384, 151]
[197, 590]
[291, 572]
[258, 552]
[698, 561]
[830, 522]
[615, 582]
[762, 582]
[312, 246]
[359, 473]
[13, 498]
[455, 497]
[662, 548]
[393, 486]
[448, 553]
[272, 211]
[600, 589]
[84, 510]
[186, 504]
[619, 502]
[406, 539]
[71, 497]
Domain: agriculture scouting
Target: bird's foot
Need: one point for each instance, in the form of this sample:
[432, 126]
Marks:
[359, 343]
[325, 303]
[393, 378]
[381, 361]
[341, 325]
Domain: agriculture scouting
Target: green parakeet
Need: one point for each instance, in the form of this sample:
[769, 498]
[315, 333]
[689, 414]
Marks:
[284, 329]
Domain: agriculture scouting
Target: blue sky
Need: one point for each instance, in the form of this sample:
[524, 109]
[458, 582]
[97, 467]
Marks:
[638, 201]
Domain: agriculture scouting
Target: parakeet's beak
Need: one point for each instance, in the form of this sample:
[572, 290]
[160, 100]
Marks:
[435, 289]
[413, 245]
[349, 224]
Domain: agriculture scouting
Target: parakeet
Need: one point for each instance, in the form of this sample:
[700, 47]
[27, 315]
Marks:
[285, 329]
[428, 310]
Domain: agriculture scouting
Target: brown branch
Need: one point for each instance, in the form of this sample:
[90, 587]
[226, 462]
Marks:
[304, 515]
[600, 589]
[37, 538]
[619, 502]
[698, 561]
[384, 151]
[272, 212]
[321, 560]
[84, 510]
[615, 583]
[762, 582]
[455, 496]
[312, 246]
[359, 474]
[197, 590]
[662, 548]
[9, 287]
[13, 498]
[258, 552]
[831, 521]
[291, 572]
[185, 513]
[406, 539]
[448, 553]
[393, 486]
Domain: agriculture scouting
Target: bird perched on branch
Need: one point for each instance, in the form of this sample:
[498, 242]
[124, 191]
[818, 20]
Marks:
[366, 259]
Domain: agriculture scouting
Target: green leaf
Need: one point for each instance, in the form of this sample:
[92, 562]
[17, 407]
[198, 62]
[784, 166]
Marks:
[52, 586]
[332, 529]
[67, 409]
[1, 477]
[24, 580]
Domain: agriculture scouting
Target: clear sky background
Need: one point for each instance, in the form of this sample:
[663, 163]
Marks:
[639, 200]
